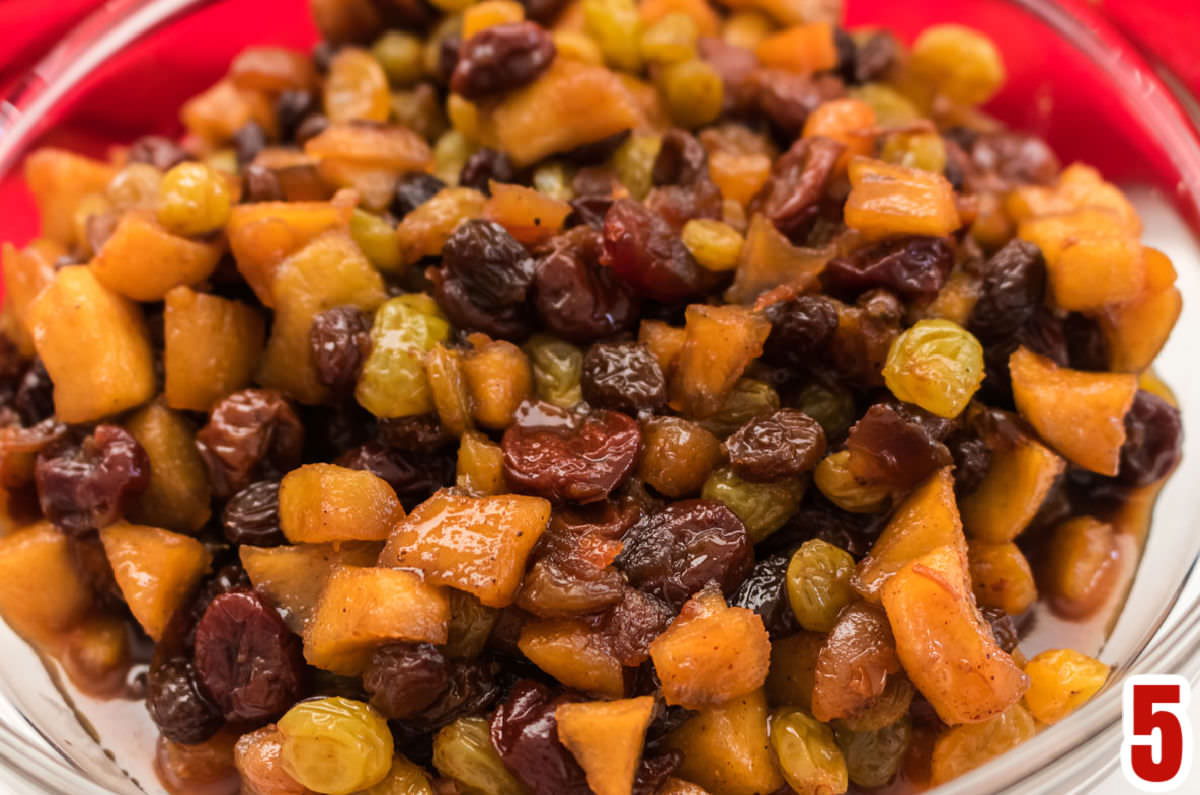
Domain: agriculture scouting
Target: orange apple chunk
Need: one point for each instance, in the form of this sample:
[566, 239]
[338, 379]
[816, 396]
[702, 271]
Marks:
[155, 570]
[211, 347]
[1136, 331]
[178, 496]
[1020, 476]
[324, 502]
[573, 653]
[768, 260]
[726, 749]
[530, 216]
[927, 519]
[476, 544]
[606, 737]
[26, 273]
[362, 608]
[94, 345]
[1079, 414]
[142, 261]
[59, 180]
[719, 343]
[41, 590]
[1091, 261]
[887, 199]
[944, 645]
[292, 577]
[712, 653]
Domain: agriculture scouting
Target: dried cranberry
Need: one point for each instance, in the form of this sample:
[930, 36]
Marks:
[406, 678]
[160, 152]
[484, 280]
[34, 400]
[484, 166]
[623, 376]
[677, 551]
[765, 592]
[894, 449]
[645, 251]
[569, 456]
[797, 182]
[414, 477]
[177, 705]
[577, 298]
[501, 58]
[339, 340]
[251, 435]
[783, 444]
[252, 516]
[1153, 440]
[413, 190]
[911, 266]
[87, 486]
[525, 734]
[1013, 286]
[247, 659]
[800, 328]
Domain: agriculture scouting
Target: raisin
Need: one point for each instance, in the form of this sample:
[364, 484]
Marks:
[310, 128]
[291, 108]
[653, 771]
[1004, 629]
[819, 518]
[251, 435]
[1013, 287]
[176, 704]
[783, 444]
[160, 152]
[484, 280]
[87, 486]
[252, 516]
[449, 49]
[332, 430]
[419, 433]
[569, 456]
[1086, 347]
[873, 58]
[972, 458]
[911, 266]
[339, 340]
[800, 328]
[472, 688]
[577, 298]
[675, 552]
[895, 447]
[765, 592]
[797, 182]
[543, 11]
[484, 166]
[525, 734]
[501, 58]
[247, 659]
[261, 184]
[684, 189]
[414, 477]
[596, 152]
[34, 399]
[1153, 440]
[645, 251]
[1015, 157]
[414, 189]
[734, 64]
[406, 678]
[248, 141]
[787, 98]
[566, 582]
[1044, 335]
[864, 336]
[623, 376]
[629, 627]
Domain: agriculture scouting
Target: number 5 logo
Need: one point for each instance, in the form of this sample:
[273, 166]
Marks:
[1156, 752]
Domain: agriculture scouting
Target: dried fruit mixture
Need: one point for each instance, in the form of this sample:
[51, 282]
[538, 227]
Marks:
[576, 396]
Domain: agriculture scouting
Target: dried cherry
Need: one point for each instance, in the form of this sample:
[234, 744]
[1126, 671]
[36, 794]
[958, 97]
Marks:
[525, 734]
[785, 443]
[87, 486]
[577, 298]
[251, 435]
[896, 446]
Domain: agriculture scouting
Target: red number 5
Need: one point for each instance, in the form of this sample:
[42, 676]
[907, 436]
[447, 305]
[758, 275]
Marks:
[1156, 752]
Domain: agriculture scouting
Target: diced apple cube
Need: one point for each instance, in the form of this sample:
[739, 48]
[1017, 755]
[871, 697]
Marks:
[142, 261]
[574, 654]
[292, 577]
[178, 495]
[606, 737]
[211, 347]
[720, 342]
[41, 590]
[1020, 476]
[324, 502]
[59, 180]
[726, 749]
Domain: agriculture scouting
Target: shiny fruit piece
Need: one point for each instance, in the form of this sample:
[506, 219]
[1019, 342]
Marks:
[211, 347]
[480, 466]
[574, 654]
[1001, 577]
[719, 342]
[498, 379]
[800, 48]
[818, 584]
[963, 748]
[1060, 682]
[27, 271]
[1020, 476]
[1091, 262]
[59, 180]
[809, 757]
[887, 200]
[768, 260]
[726, 748]
[793, 670]
[178, 495]
[1135, 331]
[463, 752]
[529, 215]
[356, 88]
[322, 502]
[335, 745]
[393, 382]
[854, 664]
[293, 577]
[677, 456]
[935, 364]
[606, 737]
[961, 62]
[258, 759]
[143, 261]
[29, 559]
[1081, 566]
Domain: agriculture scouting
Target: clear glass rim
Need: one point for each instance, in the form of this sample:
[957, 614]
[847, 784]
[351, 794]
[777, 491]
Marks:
[1066, 757]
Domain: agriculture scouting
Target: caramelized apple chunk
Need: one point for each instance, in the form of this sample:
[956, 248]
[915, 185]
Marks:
[574, 654]
[726, 750]
[293, 577]
[178, 496]
[59, 181]
[1021, 474]
[323, 503]
[887, 199]
[1091, 262]
[211, 347]
[30, 559]
[1136, 330]
[606, 737]
[719, 342]
[143, 261]
[26, 273]
[1060, 682]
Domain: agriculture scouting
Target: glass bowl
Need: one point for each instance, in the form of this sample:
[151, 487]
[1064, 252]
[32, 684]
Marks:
[1072, 79]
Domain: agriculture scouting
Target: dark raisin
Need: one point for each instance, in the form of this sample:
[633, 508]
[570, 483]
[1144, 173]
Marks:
[1004, 629]
[972, 458]
[1044, 335]
[449, 49]
[310, 128]
[332, 430]
[473, 687]
[525, 734]
[653, 771]
[177, 705]
[596, 152]
[252, 516]
[588, 211]
[576, 297]
[262, 185]
[596, 182]
[501, 58]
[420, 433]
[800, 328]
[247, 659]
[414, 477]
[891, 448]
[248, 141]
[787, 98]
[87, 486]
[1013, 287]
[561, 586]
[406, 678]
[543, 11]
[485, 165]
[675, 552]
[569, 456]
[629, 627]
[797, 182]
[339, 341]
[765, 592]
[874, 58]
[645, 251]
[1153, 440]
[1086, 347]
[413, 190]
[484, 280]
[34, 399]
[162, 153]
[911, 266]
[821, 519]
[734, 64]
[251, 435]
[291, 108]
[783, 444]
[1015, 157]
[623, 376]
[683, 188]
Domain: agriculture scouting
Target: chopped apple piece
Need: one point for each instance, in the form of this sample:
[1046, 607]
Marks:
[945, 646]
[664, 342]
[1001, 576]
[142, 261]
[26, 273]
[530, 216]
[1136, 330]
[41, 590]
[476, 544]
[1080, 414]
[294, 576]
[720, 342]
[769, 260]
[1078, 186]
[793, 669]
[963, 748]
[573, 653]
[1091, 262]
[59, 181]
[324, 502]
[211, 347]
[155, 570]
[1018, 479]
[178, 496]
[887, 200]
[927, 519]
[726, 750]
[712, 653]
[362, 608]
[1080, 570]
[606, 737]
